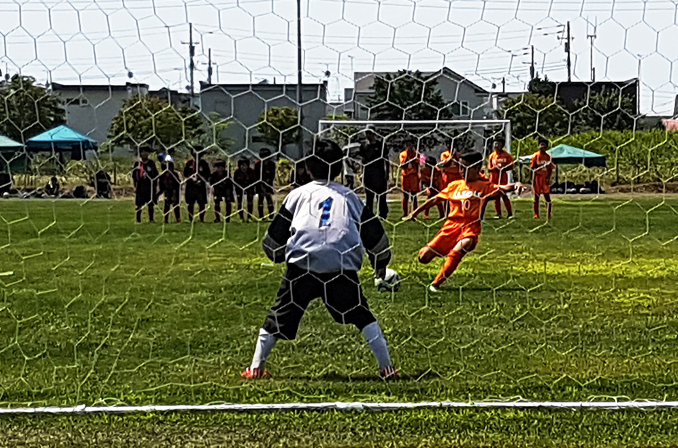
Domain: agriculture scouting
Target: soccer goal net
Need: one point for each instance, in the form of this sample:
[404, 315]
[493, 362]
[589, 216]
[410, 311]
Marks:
[166, 220]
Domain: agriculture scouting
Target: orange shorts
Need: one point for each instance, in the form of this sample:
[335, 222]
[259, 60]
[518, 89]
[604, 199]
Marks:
[450, 234]
[498, 179]
[410, 184]
[541, 186]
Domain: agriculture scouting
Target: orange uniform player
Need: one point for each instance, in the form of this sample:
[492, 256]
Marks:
[500, 164]
[459, 235]
[409, 175]
[542, 167]
[432, 182]
[450, 162]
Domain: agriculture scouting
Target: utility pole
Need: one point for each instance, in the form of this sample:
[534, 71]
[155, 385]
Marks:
[209, 66]
[191, 64]
[503, 85]
[300, 112]
[593, 38]
[568, 50]
[191, 52]
[532, 74]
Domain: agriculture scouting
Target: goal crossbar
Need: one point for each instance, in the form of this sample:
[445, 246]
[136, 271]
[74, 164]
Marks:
[341, 406]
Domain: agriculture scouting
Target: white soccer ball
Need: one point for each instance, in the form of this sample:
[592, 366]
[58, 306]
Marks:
[390, 282]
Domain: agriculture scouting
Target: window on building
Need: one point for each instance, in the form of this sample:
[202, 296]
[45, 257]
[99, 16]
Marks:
[465, 110]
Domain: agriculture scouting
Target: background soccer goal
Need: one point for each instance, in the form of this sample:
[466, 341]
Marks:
[99, 310]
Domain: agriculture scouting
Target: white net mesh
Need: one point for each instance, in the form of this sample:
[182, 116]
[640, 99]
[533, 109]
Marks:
[113, 111]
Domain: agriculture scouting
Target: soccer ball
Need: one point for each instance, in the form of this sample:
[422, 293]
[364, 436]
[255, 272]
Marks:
[390, 282]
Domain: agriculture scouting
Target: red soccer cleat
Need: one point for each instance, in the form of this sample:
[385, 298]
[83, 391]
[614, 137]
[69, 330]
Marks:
[389, 373]
[256, 373]
[536, 216]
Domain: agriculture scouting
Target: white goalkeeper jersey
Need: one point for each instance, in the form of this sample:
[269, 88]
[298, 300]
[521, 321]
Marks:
[322, 227]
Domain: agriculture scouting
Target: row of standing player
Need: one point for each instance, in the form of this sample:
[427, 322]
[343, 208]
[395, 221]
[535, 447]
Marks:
[423, 173]
[199, 179]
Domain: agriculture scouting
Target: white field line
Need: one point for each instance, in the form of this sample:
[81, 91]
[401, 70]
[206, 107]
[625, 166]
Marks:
[341, 406]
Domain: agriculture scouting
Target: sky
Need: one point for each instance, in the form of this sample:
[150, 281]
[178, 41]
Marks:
[115, 41]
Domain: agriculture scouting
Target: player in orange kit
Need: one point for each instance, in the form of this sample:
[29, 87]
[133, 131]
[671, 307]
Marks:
[542, 167]
[409, 175]
[459, 235]
[450, 165]
[432, 183]
[500, 164]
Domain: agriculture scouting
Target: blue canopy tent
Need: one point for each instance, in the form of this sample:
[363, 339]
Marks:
[62, 139]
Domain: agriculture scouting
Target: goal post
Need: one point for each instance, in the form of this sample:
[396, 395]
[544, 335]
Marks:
[433, 136]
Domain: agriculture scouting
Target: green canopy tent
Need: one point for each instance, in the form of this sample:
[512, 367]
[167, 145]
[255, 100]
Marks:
[62, 139]
[13, 158]
[569, 155]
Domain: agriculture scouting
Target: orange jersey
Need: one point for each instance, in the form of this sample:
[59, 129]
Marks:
[451, 170]
[466, 201]
[542, 168]
[499, 165]
[409, 171]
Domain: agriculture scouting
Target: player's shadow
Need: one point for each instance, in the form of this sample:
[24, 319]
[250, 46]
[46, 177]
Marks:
[360, 377]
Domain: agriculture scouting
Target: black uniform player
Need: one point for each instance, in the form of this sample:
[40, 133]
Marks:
[196, 173]
[321, 233]
[102, 184]
[145, 177]
[170, 186]
[264, 169]
[243, 180]
[53, 188]
[375, 172]
[222, 190]
[300, 175]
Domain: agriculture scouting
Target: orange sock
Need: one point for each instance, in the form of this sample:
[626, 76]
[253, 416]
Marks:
[451, 265]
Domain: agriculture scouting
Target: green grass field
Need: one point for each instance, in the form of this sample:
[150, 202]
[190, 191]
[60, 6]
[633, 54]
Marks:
[98, 310]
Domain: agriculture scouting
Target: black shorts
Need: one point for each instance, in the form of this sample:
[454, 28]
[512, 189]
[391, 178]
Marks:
[264, 188]
[341, 293]
[196, 193]
[143, 197]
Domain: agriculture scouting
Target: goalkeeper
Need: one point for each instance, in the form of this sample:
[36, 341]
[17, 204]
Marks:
[321, 233]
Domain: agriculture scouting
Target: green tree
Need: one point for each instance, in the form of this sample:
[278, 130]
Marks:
[543, 87]
[152, 121]
[532, 114]
[343, 135]
[27, 109]
[608, 110]
[279, 126]
[211, 134]
[408, 95]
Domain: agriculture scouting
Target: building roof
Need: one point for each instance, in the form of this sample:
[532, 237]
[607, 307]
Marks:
[444, 71]
[96, 87]
[260, 86]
